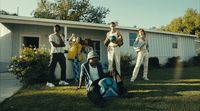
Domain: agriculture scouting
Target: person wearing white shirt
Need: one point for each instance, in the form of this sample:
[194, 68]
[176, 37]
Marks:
[56, 41]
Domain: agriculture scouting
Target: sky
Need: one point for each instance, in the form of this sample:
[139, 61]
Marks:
[140, 13]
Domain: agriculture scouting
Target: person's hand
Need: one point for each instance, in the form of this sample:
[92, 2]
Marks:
[110, 73]
[78, 88]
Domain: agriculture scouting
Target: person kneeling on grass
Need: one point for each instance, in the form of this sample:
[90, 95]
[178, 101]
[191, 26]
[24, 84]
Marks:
[93, 73]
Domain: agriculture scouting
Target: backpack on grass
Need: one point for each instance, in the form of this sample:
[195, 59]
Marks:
[108, 87]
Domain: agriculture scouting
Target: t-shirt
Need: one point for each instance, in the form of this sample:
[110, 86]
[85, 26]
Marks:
[54, 38]
[93, 73]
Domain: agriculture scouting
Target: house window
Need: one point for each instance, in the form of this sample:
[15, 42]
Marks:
[96, 47]
[31, 42]
[132, 37]
[174, 43]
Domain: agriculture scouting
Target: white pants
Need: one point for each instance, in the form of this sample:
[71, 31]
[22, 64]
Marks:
[142, 57]
[114, 55]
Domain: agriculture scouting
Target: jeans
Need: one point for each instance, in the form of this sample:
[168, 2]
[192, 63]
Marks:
[142, 57]
[60, 58]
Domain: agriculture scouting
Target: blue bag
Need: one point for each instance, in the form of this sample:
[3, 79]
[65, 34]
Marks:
[108, 87]
[138, 45]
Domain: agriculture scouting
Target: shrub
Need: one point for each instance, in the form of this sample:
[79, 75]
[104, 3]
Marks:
[126, 64]
[31, 66]
[171, 62]
[195, 60]
[154, 63]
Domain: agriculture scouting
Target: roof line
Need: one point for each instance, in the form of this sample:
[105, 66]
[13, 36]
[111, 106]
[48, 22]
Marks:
[51, 22]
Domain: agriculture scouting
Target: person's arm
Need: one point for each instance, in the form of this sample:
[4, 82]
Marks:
[120, 39]
[51, 40]
[61, 38]
[71, 38]
[81, 76]
[147, 44]
[106, 41]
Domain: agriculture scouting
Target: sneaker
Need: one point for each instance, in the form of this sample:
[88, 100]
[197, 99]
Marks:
[146, 78]
[63, 83]
[50, 84]
[132, 80]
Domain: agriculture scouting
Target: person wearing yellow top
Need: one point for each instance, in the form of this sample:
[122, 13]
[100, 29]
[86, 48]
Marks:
[75, 54]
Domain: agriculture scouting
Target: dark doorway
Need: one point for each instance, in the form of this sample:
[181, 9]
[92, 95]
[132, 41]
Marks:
[96, 47]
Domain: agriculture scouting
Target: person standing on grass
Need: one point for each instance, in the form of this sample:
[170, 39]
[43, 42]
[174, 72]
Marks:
[75, 54]
[92, 71]
[56, 41]
[142, 55]
[113, 42]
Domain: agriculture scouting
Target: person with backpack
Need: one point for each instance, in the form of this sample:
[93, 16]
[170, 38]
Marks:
[92, 71]
[141, 44]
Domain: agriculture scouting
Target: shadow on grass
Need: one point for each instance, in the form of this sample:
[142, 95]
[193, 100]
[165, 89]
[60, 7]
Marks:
[153, 89]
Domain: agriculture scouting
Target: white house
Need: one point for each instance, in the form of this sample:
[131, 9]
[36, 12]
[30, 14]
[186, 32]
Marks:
[16, 30]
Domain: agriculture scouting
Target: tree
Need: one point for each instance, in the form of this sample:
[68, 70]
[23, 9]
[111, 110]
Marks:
[75, 10]
[188, 24]
[3, 12]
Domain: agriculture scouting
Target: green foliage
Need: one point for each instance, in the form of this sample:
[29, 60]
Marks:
[31, 66]
[154, 63]
[161, 93]
[187, 24]
[75, 10]
[172, 62]
[195, 61]
[126, 64]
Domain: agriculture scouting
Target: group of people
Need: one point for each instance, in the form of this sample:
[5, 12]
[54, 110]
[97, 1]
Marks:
[91, 69]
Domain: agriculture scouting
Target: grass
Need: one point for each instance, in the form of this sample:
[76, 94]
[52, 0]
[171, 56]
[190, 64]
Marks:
[168, 90]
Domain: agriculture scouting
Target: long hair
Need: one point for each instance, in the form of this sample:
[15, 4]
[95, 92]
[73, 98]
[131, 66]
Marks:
[142, 31]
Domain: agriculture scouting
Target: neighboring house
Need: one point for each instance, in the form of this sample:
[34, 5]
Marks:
[16, 31]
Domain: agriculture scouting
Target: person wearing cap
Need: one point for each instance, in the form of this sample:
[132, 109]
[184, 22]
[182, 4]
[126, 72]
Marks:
[93, 72]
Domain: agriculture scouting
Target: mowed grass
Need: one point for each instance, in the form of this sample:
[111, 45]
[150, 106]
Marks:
[168, 90]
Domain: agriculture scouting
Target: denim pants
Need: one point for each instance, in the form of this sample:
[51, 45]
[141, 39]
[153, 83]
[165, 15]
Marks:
[142, 57]
[60, 58]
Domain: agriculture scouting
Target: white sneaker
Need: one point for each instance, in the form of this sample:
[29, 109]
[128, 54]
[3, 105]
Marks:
[132, 80]
[63, 83]
[146, 78]
[50, 84]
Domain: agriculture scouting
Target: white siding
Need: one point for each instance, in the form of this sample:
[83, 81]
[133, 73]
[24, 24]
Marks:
[160, 45]
[5, 47]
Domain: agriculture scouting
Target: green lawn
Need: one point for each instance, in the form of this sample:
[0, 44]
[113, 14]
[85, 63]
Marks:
[168, 90]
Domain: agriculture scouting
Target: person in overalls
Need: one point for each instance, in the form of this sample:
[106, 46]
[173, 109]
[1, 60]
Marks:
[113, 42]
[142, 55]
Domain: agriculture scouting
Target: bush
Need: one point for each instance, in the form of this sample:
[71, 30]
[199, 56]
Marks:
[171, 62]
[154, 63]
[195, 60]
[31, 66]
[126, 64]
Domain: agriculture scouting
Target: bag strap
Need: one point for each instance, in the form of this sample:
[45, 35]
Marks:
[87, 72]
